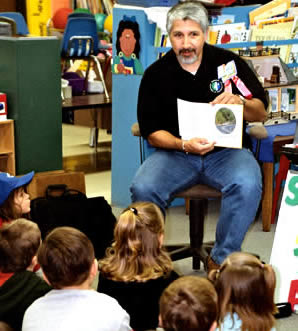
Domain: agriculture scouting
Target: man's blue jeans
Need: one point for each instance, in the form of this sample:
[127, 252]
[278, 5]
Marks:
[233, 171]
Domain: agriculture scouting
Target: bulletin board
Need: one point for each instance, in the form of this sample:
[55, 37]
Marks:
[284, 255]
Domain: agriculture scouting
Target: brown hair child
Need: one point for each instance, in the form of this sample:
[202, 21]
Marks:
[19, 285]
[245, 288]
[189, 303]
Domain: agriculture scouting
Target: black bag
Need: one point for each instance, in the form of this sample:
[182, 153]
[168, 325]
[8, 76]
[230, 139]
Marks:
[67, 207]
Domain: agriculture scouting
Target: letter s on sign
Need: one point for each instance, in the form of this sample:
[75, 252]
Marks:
[294, 189]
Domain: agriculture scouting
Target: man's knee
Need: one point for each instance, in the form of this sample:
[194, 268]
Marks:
[141, 191]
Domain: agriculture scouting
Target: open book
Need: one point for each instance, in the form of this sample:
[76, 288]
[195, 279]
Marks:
[220, 123]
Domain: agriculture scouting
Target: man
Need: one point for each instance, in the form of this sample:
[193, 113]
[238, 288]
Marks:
[190, 72]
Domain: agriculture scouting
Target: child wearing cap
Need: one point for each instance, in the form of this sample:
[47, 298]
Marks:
[14, 201]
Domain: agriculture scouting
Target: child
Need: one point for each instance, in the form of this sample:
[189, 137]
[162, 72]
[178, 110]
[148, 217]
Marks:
[136, 268]
[68, 264]
[14, 202]
[245, 288]
[19, 286]
[189, 303]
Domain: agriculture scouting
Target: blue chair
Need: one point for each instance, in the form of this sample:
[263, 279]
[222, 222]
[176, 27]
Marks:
[22, 28]
[80, 41]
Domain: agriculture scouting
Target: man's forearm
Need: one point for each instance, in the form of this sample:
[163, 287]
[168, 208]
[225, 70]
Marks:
[164, 139]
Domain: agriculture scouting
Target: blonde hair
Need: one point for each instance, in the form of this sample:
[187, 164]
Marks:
[136, 253]
[245, 286]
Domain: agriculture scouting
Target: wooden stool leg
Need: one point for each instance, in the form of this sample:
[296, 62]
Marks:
[186, 206]
[196, 229]
[284, 165]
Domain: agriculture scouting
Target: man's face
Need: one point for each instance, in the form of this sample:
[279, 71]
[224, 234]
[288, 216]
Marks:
[187, 40]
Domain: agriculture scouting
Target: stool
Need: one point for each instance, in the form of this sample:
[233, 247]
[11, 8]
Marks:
[288, 156]
[196, 200]
[198, 196]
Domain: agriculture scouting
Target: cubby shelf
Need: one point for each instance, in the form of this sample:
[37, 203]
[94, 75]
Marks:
[7, 151]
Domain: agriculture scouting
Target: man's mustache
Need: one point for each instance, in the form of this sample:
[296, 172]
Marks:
[186, 50]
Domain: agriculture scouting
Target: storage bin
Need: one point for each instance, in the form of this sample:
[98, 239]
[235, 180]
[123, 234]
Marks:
[148, 3]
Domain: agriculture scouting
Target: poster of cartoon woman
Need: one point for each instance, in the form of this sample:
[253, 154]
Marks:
[128, 48]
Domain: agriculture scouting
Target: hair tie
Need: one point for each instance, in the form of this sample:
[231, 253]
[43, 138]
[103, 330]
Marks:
[134, 210]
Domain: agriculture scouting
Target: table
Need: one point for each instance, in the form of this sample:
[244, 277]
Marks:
[88, 101]
[278, 135]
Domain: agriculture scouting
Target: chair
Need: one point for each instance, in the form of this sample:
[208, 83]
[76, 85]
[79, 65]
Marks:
[21, 24]
[9, 27]
[198, 196]
[80, 41]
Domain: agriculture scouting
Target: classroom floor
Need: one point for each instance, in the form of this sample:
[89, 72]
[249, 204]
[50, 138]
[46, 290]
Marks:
[78, 155]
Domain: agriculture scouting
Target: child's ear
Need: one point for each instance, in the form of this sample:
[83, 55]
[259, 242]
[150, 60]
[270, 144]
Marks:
[94, 269]
[46, 279]
[213, 326]
[159, 321]
[33, 263]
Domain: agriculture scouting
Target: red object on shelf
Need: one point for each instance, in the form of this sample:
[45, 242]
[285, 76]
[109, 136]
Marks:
[225, 2]
[3, 107]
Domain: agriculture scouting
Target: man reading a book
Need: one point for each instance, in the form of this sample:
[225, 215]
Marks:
[198, 72]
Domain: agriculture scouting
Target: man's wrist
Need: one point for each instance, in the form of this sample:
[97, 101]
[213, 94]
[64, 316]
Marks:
[183, 147]
[242, 99]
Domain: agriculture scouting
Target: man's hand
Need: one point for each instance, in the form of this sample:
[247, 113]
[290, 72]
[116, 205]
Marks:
[198, 146]
[227, 98]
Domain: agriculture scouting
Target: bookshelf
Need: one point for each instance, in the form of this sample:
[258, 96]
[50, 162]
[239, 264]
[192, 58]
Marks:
[7, 152]
[125, 151]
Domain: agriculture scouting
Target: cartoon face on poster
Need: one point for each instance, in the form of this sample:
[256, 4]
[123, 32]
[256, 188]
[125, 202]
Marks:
[128, 48]
[284, 255]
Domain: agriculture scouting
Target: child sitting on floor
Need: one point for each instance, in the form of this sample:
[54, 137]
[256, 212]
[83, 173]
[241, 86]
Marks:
[189, 303]
[14, 201]
[245, 288]
[67, 260]
[136, 268]
[19, 286]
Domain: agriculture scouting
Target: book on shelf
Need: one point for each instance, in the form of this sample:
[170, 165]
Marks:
[221, 123]
[275, 31]
[270, 9]
[226, 33]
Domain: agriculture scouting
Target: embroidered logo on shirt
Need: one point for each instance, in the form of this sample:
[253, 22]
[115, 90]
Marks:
[216, 86]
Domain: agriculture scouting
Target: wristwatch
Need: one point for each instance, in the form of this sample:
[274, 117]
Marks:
[243, 100]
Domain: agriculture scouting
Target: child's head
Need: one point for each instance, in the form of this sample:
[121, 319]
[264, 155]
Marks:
[19, 242]
[66, 257]
[246, 286]
[189, 303]
[137, 252]
[14, 202]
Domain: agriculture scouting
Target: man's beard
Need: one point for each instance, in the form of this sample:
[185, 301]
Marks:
[187, 59]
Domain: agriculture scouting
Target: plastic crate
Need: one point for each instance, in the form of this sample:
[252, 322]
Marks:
[148, 3]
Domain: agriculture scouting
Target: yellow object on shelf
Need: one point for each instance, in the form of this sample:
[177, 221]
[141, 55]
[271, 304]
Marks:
[38, 13]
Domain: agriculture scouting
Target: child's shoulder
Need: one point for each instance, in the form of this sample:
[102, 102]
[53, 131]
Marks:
[231, 322]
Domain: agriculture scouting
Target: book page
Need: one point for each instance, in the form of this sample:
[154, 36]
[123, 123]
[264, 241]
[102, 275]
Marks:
[220, 123]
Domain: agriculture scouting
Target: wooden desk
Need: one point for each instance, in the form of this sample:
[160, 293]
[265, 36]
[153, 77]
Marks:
[90, 101]
[86, 102]
[268, 173]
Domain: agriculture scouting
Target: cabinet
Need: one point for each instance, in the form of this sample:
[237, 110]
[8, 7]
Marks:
[7, 153]
[31, 78]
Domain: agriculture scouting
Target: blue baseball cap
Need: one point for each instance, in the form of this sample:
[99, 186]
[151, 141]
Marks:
[8, 183]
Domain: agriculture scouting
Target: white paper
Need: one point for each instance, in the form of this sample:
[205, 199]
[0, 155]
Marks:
[220, 123]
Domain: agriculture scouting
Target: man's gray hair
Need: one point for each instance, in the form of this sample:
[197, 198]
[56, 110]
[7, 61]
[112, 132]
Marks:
[191, 10]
